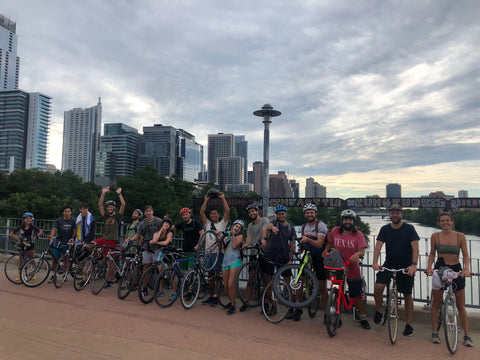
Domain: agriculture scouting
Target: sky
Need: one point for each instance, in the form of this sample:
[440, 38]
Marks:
[371, 92]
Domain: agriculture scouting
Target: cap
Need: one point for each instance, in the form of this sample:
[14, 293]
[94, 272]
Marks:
[395, 207]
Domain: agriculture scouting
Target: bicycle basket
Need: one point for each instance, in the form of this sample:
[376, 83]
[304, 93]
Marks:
[334, 259]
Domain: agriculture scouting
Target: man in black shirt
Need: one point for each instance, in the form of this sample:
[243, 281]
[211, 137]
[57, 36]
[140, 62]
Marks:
[192, 230]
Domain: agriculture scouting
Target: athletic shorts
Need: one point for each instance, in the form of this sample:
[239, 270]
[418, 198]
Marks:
[458, 283]
[59, 250]
[355, 287]
[318, 267]
[149, 257]
[404, 282]
[236, 264]
[210, 259]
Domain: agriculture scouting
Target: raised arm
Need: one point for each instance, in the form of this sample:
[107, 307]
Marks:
[101, 200]
[226, 208]
[122, 201]
[203, 217]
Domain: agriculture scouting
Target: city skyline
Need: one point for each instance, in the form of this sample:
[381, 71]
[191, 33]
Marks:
[364, 102]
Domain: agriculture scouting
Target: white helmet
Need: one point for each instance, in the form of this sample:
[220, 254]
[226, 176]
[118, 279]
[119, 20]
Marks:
[310, 206]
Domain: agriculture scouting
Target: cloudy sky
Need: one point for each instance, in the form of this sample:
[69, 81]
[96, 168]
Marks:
[371, 92]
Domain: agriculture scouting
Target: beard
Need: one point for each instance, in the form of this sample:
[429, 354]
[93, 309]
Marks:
[348, 227]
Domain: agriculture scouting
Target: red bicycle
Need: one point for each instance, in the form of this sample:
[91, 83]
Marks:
[337, 297]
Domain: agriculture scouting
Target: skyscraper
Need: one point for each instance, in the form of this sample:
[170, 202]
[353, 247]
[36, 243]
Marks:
[9, 61]
[157, 148]
[81, 137]
[314, 190]
[189, 156]
[39, 112]
[229, 171]
[258, 177]
[117, 154]
[241, 149]
[394, 191]
[219, 146]
[24, 122]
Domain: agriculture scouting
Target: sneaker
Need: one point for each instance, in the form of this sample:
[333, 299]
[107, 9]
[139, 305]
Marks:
[365, 324]
[377, 319]
[228, 306]
[17, 278]
[243, 308]
[467, 341]
[297, 314]
[214, 302]
[172, 297]
[52, 279]
[408, 330]
[145, 292]
[231, 310]
[207, 302]
[160, 293]
[290, 314]
[108, 285]
[435, 338]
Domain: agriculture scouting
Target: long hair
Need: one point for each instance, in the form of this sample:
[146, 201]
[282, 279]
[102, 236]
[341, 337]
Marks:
[354, 228]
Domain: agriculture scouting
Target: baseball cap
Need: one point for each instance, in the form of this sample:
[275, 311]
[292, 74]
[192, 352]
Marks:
[395, 207]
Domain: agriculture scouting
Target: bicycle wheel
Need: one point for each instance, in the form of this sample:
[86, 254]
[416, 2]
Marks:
[332, 315]
[392, 315]
[274, 310]
[12, 269]
[99, 276]
[167, 288]
[146, 292]
[385, 306]
[222, 296]
[61, 271]
[35, 271]
[296, 281]
[208, 250]
[127, 282]
[190, 288]
[83, 274]
[250, 291]
[450, 320]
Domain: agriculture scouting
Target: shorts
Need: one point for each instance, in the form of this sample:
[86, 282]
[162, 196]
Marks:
[210, 259]
[317, 262]
[355, 287]
[103, 242]
[404, 282]
[269, 268]
[236, 264]
[458, 283]
[188, 262]
[31, 247]
[149, 257]
[59, 250]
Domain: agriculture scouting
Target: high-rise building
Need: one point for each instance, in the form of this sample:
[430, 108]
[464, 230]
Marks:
[241, 149]
[280, 186]
[9, 61]
[157, 148]
[189, 156]
[24, 123]
[117, 154]
[463, 194]
[258, 177]
[229, 171]
[81, 138]
[39, 112]
[295, 188]
[394, 191]
[314, 190]
[219, 146]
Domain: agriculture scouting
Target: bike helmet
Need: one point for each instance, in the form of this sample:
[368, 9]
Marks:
[310, 206]
[349, 214]
[184, 210]
[111, 202]
[27, 214]
[280, 208]
[140, 212]
[168, 220]
[240, 222]
[212, 193]
[252, 206]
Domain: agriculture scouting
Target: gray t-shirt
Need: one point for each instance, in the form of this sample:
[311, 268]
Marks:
[256, 232]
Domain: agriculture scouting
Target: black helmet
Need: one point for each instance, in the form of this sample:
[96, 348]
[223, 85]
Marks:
[168, 220]
[212, 193]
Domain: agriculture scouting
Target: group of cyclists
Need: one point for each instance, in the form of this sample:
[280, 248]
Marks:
[279, 243]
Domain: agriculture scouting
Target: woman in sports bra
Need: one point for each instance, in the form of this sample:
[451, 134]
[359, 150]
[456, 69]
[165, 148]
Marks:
[447, 244]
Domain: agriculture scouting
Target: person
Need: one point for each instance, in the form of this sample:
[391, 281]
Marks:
[85, 223]
[279, 237]
[313, 235]
[401, 240]
[191, 229]
[351, 243]
[254, 236]
[150, 248]
[447, 244]
[231, 262]
[130, 232]
[217, 225]
[26, 234]
[65, 229]
[111, 229]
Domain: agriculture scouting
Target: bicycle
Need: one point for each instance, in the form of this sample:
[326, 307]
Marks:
[84, 271]
[209, 244]
[167, 284]
[336, 297]
[390, 307]
[13, 266]
[36, 270]
[131, 276]
[101, 269]
[273, 309]
[302, 280]
[251, 294]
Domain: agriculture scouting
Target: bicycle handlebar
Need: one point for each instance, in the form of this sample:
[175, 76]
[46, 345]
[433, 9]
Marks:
[404, 270]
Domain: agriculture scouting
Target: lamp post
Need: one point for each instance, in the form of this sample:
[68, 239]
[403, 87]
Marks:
[267, 112]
